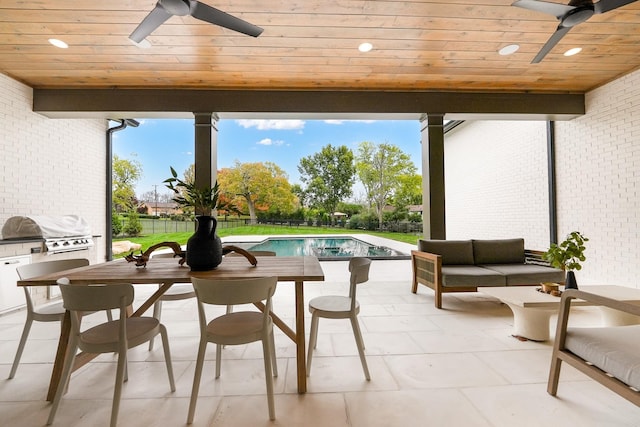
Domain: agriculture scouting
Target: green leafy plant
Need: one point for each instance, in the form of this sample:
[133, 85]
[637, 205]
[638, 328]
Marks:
[133, 226]
[203, 200]
[568, 254]
[116, 223]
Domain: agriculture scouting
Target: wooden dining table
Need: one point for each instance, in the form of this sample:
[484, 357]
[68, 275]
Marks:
[167, 271]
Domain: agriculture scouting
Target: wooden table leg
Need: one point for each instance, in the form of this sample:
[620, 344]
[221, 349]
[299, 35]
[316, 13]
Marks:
[301, 353]
[151, 300]
[278, 322]
[63, 343]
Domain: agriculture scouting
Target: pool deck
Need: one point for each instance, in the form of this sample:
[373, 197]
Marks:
[404, 248]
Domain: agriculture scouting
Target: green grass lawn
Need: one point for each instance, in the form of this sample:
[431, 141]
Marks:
[256, 230]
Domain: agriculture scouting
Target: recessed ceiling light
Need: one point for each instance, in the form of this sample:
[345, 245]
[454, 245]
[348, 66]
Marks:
[573, 51]
[58, 43]
[365, 47]
[509, 49]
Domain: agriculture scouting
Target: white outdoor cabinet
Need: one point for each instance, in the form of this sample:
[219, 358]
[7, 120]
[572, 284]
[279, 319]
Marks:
[11, 296]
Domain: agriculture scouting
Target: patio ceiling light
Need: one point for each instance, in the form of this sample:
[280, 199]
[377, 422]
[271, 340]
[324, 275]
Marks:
[365, 47]
[573, 51]
[58, 43]
[509, 49]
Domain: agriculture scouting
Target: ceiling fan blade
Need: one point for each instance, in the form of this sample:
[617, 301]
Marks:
[152, 21]
[211, 14]
[606, 5]
[553, 40]
[555, 9]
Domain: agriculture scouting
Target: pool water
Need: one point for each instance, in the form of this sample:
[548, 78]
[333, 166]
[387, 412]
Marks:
[326, 248]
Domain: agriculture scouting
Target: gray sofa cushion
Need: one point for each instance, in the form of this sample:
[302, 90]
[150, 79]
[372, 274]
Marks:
[526, 274]
[500, 251]
[615, 350]
[470, 275]
[453, 252]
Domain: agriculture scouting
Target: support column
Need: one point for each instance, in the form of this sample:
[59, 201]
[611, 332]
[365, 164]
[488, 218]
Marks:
[206, 149]
[433, 203]
[551, 172]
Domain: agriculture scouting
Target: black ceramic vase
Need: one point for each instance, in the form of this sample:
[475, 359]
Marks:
[570, 281]
[204, 248]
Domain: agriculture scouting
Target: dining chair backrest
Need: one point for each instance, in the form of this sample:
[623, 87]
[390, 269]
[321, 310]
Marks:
[95, 297]
[28, 271]
[234, 291]
[35, 269]
[359, 269]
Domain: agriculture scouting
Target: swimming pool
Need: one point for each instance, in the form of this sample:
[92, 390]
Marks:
[325, 248]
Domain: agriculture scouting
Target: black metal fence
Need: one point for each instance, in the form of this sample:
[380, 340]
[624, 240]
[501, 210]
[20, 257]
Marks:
[161, 225]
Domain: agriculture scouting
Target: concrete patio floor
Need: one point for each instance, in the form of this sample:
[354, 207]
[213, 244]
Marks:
[458, 366]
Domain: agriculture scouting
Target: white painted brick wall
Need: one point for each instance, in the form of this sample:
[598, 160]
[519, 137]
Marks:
[598, 172]
[599, 168]
[49, 166]
[496, 182]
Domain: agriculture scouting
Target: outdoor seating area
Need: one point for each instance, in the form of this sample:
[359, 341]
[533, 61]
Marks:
[610, 355]
[465, 265]
[505, 123]
[457, 366]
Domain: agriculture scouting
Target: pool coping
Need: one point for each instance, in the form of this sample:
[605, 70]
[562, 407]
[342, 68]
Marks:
[401, 247]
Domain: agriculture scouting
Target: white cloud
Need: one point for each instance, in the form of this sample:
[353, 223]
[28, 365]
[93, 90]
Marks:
[339, 122]
[269, 141]
[271, 124]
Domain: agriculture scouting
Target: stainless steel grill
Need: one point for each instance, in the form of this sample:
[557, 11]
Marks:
[60, 233]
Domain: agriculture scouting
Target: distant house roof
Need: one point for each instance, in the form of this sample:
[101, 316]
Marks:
[164, 207]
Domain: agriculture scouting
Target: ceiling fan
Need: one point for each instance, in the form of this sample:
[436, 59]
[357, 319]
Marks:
[576, 12]
[165, 9]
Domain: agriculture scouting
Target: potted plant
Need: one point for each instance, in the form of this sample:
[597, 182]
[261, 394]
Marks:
[204, 248]
[568, 255]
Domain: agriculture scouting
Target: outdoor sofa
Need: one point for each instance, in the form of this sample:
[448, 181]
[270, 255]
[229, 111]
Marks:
[464, 265]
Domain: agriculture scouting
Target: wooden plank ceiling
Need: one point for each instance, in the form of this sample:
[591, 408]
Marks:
[313, 44]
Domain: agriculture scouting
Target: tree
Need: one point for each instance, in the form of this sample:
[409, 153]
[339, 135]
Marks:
[125, 173]
[409, 191]
[329, 176]
[116, 223]
[133, 227]
[379, 169]
[148, 196]
[349, 208]
[257, 186]
[299, 193]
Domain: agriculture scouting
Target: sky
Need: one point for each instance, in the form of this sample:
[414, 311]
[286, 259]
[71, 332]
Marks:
[158, 144]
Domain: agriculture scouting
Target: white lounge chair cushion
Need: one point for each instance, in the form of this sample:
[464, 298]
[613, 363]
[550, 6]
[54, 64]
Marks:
[615, 350]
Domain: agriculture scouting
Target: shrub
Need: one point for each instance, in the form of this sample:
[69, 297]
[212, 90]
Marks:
[363, 222]
[116, 223]
[133, 226]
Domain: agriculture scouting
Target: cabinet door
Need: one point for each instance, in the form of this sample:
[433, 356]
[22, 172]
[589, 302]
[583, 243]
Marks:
[11, 296]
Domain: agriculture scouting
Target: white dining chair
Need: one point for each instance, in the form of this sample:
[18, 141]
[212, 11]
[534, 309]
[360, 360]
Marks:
[49, 312]
[254, 253]
[176, 292]
[115, 336]
[241, 327]
[341, 307]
